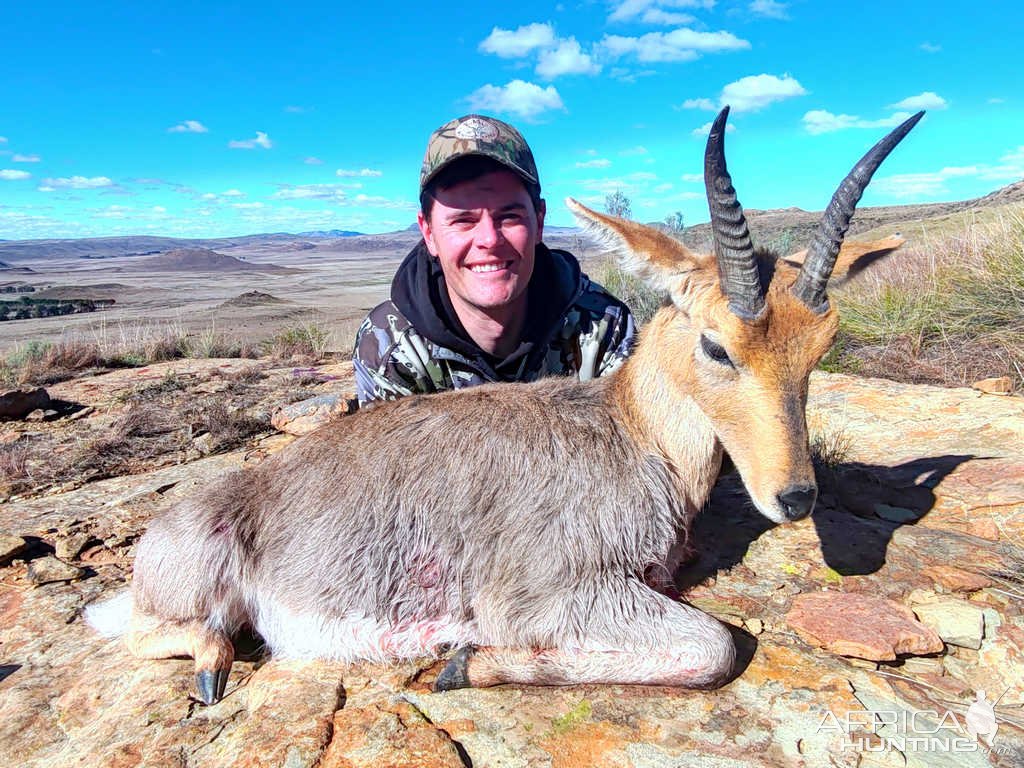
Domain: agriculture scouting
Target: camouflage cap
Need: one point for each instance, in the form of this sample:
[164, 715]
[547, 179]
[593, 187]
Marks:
[478, 135]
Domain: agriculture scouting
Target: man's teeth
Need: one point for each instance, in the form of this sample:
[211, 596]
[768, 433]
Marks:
[487, 267]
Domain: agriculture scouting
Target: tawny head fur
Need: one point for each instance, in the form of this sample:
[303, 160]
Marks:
[748, 377]
[743, 354]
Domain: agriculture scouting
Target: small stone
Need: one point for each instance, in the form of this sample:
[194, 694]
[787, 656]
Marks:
[923, 665]
[19, 403]
[205, 444]
[863, 663]
[992, 622]
[896, 514]
[307, 415]
[922, 596]
[68, 547]
[754, 626]
[47, 570]
[999, 385]
[11, 547]
[956, 579]
[958, 622]
[864, 626]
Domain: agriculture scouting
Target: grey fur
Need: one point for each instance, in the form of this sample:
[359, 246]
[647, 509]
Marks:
[529, 506]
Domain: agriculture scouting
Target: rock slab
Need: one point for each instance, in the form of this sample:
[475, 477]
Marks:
[863, 626]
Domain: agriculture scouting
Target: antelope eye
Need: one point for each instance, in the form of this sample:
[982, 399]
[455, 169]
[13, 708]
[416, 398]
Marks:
[715, 351]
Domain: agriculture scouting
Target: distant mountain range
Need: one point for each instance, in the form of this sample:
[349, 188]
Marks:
[767, 226]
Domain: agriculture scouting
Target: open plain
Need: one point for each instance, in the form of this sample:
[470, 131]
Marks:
[865, 632]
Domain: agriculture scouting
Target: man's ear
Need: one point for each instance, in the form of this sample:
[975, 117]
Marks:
[427, 232]
[542, 208]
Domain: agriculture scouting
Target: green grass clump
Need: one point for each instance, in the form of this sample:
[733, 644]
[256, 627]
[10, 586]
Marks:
[948, 310]
[578, 714]
[642, 300]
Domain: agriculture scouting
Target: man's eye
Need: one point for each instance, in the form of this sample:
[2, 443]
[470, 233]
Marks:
[715, 351]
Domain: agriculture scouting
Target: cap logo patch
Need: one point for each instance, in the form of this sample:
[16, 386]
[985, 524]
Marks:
[476, 129]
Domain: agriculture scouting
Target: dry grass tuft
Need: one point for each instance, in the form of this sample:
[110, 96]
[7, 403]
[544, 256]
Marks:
[306, 341]
[14, 467]
[949, 310]
[641, 299]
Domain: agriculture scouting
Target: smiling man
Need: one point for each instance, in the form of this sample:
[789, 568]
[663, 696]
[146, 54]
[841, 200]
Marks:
[481, 298]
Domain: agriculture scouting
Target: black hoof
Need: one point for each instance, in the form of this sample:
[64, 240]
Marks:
[211, 685]
[456, 673]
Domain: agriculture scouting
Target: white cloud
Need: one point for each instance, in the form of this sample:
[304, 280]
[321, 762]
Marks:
[114, 212]
[188, 126]
[922, 184]
[626, 75]
[926, 100]
[755, 92]
[295, 110]
[930, 47]
[514, 44]
[526, 100]
[361, 172]
[662, 187]
[751, 93]
[3, 140]
[261, 140]
[312, 192]
[821, 121]
[233, 193]
[26, 158]
[597, 163]
[678, 45]
[707, 104]
[76, 182]
[158, 209]
[650, 10]
[566, 59]
[634, 151]
[694, 177]
[667, 18]
[705, 129]
[246, 206]
[313, 161]
[8, 174]
[769, 9]
[996, 100]
[375, 201]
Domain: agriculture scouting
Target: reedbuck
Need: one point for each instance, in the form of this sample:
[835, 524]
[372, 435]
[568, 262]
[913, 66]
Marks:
[517, 522]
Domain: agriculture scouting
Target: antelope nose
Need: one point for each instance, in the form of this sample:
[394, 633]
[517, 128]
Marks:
[797, 501]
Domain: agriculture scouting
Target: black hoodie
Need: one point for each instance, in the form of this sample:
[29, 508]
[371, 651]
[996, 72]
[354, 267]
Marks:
[420, 293]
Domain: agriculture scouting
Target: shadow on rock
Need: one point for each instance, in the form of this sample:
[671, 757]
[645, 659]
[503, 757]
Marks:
[6, 670]
[746, 647]
[859, 507]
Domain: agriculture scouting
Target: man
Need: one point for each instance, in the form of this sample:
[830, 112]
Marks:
[481, 298]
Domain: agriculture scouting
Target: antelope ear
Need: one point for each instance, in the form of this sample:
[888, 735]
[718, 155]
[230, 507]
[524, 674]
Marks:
[854, 257]
[651, 255]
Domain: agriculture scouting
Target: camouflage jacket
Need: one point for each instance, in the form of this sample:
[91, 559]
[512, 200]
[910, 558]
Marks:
[413, 343]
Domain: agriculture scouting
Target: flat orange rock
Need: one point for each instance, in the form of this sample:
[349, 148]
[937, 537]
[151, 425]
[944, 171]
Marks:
[864, 626]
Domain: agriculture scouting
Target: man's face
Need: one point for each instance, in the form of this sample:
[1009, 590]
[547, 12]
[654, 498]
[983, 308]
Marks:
[483, 232]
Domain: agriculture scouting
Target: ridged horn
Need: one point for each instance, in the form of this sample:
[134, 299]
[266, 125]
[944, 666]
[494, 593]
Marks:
[737, 267]
[824, 249]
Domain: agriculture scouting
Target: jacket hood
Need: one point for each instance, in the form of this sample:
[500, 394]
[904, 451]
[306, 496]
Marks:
[420, 293]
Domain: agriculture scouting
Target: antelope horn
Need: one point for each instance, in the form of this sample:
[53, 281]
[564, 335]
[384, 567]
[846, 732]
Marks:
[824, 249]
[734, 251]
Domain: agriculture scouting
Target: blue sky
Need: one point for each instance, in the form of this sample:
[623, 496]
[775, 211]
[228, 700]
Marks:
[212, 119]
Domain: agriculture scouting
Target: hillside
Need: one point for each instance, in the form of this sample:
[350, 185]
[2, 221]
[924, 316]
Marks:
[202, 260]
[792, 228]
